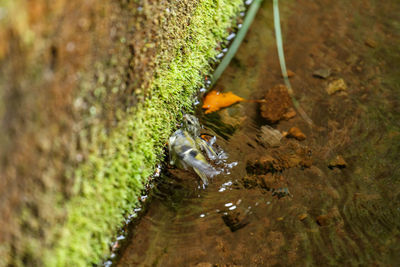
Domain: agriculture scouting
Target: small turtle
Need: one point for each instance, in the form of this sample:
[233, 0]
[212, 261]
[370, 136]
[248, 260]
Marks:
[185, 148]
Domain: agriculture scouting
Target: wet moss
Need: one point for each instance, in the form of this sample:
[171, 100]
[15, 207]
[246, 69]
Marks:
[108, 183]
[95, 103]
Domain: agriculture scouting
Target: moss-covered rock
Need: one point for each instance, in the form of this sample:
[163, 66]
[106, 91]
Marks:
[90, 92]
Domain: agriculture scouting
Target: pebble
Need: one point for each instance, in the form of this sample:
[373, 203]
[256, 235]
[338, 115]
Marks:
[335, 86]
[371, 43]
[277, 104]
[291, 113]
[295, 132]
[290, 74]
[302, 217]
[323, 220]
[204, 264]
[337, 162]
[270, 136]
[322, 73]
[235, 220]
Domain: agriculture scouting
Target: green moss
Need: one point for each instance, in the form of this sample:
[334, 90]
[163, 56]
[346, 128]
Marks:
[108, 184]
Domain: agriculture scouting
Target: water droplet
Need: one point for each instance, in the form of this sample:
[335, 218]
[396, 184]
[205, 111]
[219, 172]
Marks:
[220, 55]
[232, 208]
[228, 204]
[248, 2]
[231, 165]
[229, 183]
[107, 263]
[231, 36]
[202, 215]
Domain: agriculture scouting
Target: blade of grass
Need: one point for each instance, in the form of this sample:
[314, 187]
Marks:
[281, 55]
[250, 14]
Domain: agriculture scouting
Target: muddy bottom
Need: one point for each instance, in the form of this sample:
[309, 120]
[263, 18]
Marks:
[320, 195]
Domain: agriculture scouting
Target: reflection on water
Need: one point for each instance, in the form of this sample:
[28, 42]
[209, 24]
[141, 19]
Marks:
[331, 199]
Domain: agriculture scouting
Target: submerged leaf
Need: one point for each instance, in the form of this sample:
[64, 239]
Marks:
[215, 100]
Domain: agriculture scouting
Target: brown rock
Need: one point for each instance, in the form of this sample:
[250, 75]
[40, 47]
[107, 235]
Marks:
[290, 74]
[371, 43]
[204, 264]
[336, 86]
[322, 73]
[279, 159]
[267, 181]
[235, 220]
[338, 162]
[323, 220]
[306, 163]
[295, 132]
[302, 217]
[289, 114]
[276, 105]
[270, 136]
[249, 182]
[266, 164]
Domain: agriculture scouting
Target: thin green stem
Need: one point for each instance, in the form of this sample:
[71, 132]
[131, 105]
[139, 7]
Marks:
[281, 55]
[250, 14]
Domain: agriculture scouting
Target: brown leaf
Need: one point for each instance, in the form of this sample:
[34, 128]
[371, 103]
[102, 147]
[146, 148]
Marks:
[215, 100]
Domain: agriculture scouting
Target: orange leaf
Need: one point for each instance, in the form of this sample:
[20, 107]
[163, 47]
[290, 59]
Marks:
[215, 100]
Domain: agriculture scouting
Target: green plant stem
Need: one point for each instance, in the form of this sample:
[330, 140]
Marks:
[250, 15]
[281, 55]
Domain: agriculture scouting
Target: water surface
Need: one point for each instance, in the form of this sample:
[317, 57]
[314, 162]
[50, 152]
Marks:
[297, 211]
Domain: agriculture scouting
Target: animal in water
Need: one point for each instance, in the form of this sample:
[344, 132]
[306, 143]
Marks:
[185, 149]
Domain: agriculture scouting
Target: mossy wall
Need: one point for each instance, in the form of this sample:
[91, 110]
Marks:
[90, 91]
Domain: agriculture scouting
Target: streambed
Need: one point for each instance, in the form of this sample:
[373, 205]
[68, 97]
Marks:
[290, 204]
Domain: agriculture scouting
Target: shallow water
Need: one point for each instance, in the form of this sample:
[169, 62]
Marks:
[294, 209]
